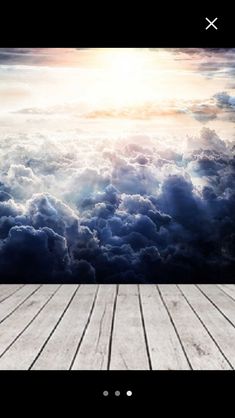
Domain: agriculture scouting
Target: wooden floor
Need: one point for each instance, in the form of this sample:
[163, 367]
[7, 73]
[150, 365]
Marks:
[125, 327]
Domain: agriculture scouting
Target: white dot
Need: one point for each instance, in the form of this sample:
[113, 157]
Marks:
[117, 393]
[129, 393]
[105, 393]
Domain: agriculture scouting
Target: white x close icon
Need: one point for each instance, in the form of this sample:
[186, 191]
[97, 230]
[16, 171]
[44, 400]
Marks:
[211, 23]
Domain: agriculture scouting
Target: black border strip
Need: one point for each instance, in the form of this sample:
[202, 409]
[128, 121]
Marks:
[162, 387]
[149, 29]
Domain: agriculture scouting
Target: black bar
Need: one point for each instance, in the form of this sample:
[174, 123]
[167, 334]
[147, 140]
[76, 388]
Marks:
[163, 29]
[167, 389]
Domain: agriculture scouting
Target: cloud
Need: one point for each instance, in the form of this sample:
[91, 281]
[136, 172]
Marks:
[203, 112]
[149, 110]
[22, 181]
[220, 106]
[225, 101]
[74, 109]
[40, 56]
[45, 210]
[231, 85]
[84, 270]
[106, 211]
[28, 255]
[4, 196]
[9, 208]
[211, 62]
[208, 140]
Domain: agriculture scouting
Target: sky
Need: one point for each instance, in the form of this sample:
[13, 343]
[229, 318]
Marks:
[84, 87]
[111, 159]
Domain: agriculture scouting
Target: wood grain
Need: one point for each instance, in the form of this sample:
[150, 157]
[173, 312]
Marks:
[117, 327]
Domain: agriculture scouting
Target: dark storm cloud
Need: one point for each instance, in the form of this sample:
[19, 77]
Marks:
[4, 196]
[179, 201]
[135, 220]
[208, 165]
[85, 270]
[45, 210]
[9, 208]
[29, 254]
[186, 242]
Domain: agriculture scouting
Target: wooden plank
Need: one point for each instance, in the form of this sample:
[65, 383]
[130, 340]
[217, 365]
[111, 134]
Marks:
[94, 350]
[23, 352]
[62, 331]
[165, 350]
[11, 328]
[7, 290]
[200, 348]
[129, 351]
[10, 304]
[228, 289]
[59, 351]
[219, 328]
[223, 302]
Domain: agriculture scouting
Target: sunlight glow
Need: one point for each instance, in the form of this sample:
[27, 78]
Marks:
[125, 75]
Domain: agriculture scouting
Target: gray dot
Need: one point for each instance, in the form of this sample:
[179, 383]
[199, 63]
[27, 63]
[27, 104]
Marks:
[129, 393]
[105, 393]
[117, 393]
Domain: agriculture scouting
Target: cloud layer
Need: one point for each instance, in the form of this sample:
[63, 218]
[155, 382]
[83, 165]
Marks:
[131, 210]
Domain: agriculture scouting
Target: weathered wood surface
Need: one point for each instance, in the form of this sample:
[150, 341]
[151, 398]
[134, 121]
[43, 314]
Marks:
[117, 327]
